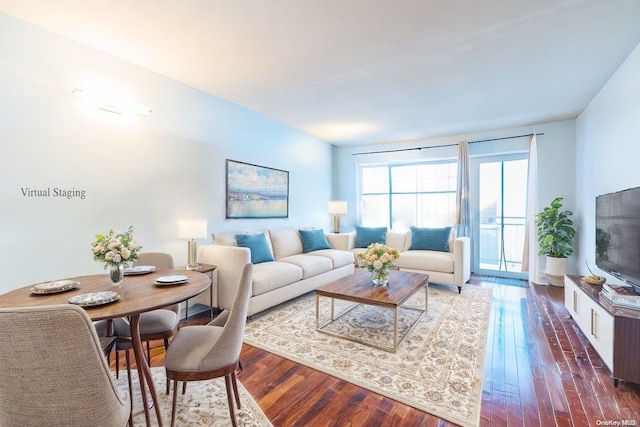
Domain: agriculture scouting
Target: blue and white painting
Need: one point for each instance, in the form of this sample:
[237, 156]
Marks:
[256, 191]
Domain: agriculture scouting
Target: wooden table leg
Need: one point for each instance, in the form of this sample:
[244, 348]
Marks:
[144, 372]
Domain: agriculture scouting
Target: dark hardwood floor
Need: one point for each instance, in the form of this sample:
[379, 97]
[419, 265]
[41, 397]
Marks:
[539, 370]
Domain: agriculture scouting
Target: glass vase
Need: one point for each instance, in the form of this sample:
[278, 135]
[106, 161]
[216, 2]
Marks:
[116, 273]
[380, 277]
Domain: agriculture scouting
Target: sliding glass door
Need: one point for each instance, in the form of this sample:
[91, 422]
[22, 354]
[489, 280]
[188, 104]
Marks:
[499, 198]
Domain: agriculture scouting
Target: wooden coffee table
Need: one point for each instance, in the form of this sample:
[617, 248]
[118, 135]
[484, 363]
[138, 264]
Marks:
[358, 288]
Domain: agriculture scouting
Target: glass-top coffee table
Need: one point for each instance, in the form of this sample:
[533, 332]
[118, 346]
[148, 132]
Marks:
[359, 289]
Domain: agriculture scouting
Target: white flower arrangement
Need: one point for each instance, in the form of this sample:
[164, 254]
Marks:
[378, 257]
[113, 249]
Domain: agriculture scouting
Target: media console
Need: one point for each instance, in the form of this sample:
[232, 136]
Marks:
[614, 332]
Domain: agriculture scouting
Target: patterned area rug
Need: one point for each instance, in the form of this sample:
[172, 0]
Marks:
[437, 368]
[204, 404]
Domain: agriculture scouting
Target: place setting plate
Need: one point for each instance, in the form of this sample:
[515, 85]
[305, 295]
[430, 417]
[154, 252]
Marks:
[94, 298]
[54, 287]
[139, 269]
[175, 279]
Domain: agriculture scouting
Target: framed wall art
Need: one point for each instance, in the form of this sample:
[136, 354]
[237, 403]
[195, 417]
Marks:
[256, 191]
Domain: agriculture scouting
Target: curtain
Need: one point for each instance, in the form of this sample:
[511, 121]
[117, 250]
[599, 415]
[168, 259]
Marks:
[463, 210]
[530, 260]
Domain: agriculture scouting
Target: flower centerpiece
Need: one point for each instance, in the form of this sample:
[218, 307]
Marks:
[378, 259]
[115, 250]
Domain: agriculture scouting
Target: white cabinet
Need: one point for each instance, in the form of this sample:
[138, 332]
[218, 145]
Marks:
[596, 323]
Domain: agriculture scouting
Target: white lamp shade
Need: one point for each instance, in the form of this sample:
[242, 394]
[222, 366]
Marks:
[337, 207]
[192, 229]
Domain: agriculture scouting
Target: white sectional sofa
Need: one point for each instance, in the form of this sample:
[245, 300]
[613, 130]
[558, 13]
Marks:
[294, 271]
[450, 267]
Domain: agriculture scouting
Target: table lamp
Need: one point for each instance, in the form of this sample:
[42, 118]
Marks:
[192, 230]
[337, 208]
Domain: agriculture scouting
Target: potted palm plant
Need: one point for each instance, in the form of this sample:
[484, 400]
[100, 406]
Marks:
[555, 237]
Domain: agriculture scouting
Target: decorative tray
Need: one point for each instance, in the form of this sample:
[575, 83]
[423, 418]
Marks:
[594, 280]
[54, 287]
[139, 269]
[176, 279]
[94, 298]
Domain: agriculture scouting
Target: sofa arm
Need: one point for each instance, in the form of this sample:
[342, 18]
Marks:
[461, 260]
[342, 241]
[229, 261]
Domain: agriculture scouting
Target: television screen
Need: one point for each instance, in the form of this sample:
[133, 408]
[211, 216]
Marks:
[618, 234]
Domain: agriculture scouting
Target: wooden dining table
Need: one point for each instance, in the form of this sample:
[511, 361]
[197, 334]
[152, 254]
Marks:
[138, 294]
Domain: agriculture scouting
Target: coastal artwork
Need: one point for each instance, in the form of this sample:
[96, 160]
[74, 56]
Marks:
[256, 191]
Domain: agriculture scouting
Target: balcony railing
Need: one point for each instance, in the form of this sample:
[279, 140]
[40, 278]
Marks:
[501, 244]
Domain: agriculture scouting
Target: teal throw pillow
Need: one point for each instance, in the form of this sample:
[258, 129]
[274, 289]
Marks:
[430, 239]
[313, 240]
[368, 235]
[258, 245]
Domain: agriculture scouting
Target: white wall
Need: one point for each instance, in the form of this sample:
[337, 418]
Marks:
[148, 172]
[608, 149]
[556, 163]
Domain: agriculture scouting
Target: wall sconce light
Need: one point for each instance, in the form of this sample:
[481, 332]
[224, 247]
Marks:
[192, 230]
[113, 107]
[337, 208]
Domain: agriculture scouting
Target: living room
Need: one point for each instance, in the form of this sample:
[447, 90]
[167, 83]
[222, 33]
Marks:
[133, 171]
[72, 171]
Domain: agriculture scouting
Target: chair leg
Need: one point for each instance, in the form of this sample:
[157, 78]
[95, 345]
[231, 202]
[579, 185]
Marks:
[148, 354]
[235, 388]
[227, 382]
[184, 387]
[117, 364]
[166, 347]
[175, 400]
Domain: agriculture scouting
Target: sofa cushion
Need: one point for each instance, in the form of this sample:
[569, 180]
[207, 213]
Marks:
[430, 239]
[313, 240]
[338, 258]
[285, 242]
[397, 240]
[368, 235]
[426, 260]
[311, 265]
[257, 244]
[228, 238]
[268, 276]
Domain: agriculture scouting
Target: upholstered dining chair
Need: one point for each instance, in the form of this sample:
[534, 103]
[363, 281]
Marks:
[154, 325]
[53, 371]
[205, 352]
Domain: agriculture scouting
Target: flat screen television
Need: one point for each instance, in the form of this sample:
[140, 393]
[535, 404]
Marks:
[618, 235]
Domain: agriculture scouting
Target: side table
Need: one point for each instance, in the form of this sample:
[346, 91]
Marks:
[206, 269]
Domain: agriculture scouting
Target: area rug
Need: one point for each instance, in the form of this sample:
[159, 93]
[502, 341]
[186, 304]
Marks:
[436, 369]
[204, 403]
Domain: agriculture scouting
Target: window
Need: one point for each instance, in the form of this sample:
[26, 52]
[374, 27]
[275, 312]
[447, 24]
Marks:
[402, 195]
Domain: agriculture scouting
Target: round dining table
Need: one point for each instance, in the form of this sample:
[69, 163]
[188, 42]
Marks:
[137, 294]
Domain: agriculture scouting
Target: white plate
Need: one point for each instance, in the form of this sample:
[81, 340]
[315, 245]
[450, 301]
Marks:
[139, 269]
[172, 279]
[58, 284]
[181, 282]
[94, 298]
[54, 287]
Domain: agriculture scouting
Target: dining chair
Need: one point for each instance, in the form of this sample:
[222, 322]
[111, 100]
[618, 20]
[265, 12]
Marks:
[205, 352]
[154, 325]
[53, 371]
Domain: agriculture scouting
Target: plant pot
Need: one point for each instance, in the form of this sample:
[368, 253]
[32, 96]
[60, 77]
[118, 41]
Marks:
[555, 270]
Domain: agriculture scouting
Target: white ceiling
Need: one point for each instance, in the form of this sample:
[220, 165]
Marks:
[357, 72]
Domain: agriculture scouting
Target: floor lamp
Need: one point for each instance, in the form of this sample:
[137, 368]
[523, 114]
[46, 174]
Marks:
[337, 208]
[192, 230]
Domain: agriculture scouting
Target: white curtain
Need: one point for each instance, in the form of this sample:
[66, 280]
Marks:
[530, 261]
[463, 210]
